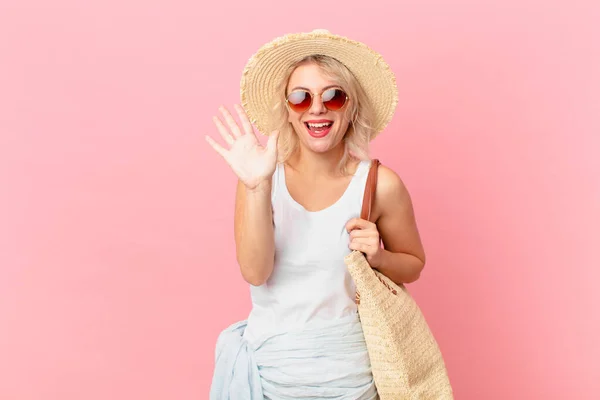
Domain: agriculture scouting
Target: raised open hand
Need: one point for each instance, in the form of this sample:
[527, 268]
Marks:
[252, 162]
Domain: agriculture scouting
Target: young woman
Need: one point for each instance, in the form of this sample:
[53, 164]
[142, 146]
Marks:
[323, 98]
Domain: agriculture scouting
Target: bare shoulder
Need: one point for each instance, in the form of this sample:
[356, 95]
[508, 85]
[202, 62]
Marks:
[391, 191]
[395, 217]
[388, 179]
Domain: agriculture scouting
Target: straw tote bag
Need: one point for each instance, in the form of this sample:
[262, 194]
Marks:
[405, 358]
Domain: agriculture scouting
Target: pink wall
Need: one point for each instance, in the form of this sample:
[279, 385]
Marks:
[117, 267]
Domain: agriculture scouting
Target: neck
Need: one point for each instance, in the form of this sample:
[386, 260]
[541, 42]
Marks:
[315, 165]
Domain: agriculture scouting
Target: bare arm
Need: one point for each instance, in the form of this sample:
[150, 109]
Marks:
[254, 166]
[255, 243]
[403, 258]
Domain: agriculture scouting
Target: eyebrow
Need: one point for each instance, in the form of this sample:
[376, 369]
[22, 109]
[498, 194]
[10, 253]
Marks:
[308, 90]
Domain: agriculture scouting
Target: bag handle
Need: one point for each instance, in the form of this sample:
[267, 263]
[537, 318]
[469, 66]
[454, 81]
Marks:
[370, 187]
[367, 207]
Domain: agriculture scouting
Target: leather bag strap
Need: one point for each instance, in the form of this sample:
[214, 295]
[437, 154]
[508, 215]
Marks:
[370, 187]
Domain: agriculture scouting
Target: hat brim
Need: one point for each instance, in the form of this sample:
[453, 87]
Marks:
[267, 68]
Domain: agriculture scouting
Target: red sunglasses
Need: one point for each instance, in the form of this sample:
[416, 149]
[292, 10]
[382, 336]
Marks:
[333, 99]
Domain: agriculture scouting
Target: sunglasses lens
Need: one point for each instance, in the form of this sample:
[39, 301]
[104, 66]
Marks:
[299, 101]
[334, 99]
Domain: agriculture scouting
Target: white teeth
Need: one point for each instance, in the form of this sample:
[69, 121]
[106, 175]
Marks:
[321, 125]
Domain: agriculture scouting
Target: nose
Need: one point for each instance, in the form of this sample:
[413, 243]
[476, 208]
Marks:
[317, 107]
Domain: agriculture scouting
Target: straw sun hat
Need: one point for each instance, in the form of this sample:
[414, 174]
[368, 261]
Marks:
[267, 67]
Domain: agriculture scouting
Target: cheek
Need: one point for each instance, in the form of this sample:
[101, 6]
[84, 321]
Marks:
[344, 128]
[294, 120]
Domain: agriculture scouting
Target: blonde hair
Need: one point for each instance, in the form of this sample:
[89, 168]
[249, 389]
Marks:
[359, 112]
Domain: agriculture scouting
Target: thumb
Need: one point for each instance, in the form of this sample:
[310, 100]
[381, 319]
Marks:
[272, 142]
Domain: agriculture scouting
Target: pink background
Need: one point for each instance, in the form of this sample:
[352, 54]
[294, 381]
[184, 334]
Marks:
[117, 266]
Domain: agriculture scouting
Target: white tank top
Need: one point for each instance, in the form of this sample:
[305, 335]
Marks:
[310, 281]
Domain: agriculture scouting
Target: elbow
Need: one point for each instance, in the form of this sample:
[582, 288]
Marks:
[413, 278]
[255, 275]
[256, 266]
[416, 273]
[254, 280]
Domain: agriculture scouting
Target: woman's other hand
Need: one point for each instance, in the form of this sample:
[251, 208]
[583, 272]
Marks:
[364, 237]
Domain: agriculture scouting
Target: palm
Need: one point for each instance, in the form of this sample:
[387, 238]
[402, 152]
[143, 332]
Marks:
[249, 160]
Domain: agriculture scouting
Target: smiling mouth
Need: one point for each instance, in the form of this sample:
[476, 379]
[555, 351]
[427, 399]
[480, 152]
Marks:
[318, 130]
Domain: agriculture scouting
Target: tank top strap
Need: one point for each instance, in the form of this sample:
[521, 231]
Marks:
[359, 180]
[356, 190]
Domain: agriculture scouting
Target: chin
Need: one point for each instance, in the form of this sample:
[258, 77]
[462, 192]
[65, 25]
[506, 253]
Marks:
[322, 146]
[319, 149]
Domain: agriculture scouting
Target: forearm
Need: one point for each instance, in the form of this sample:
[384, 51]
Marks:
[400, 267]
[256, 244]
